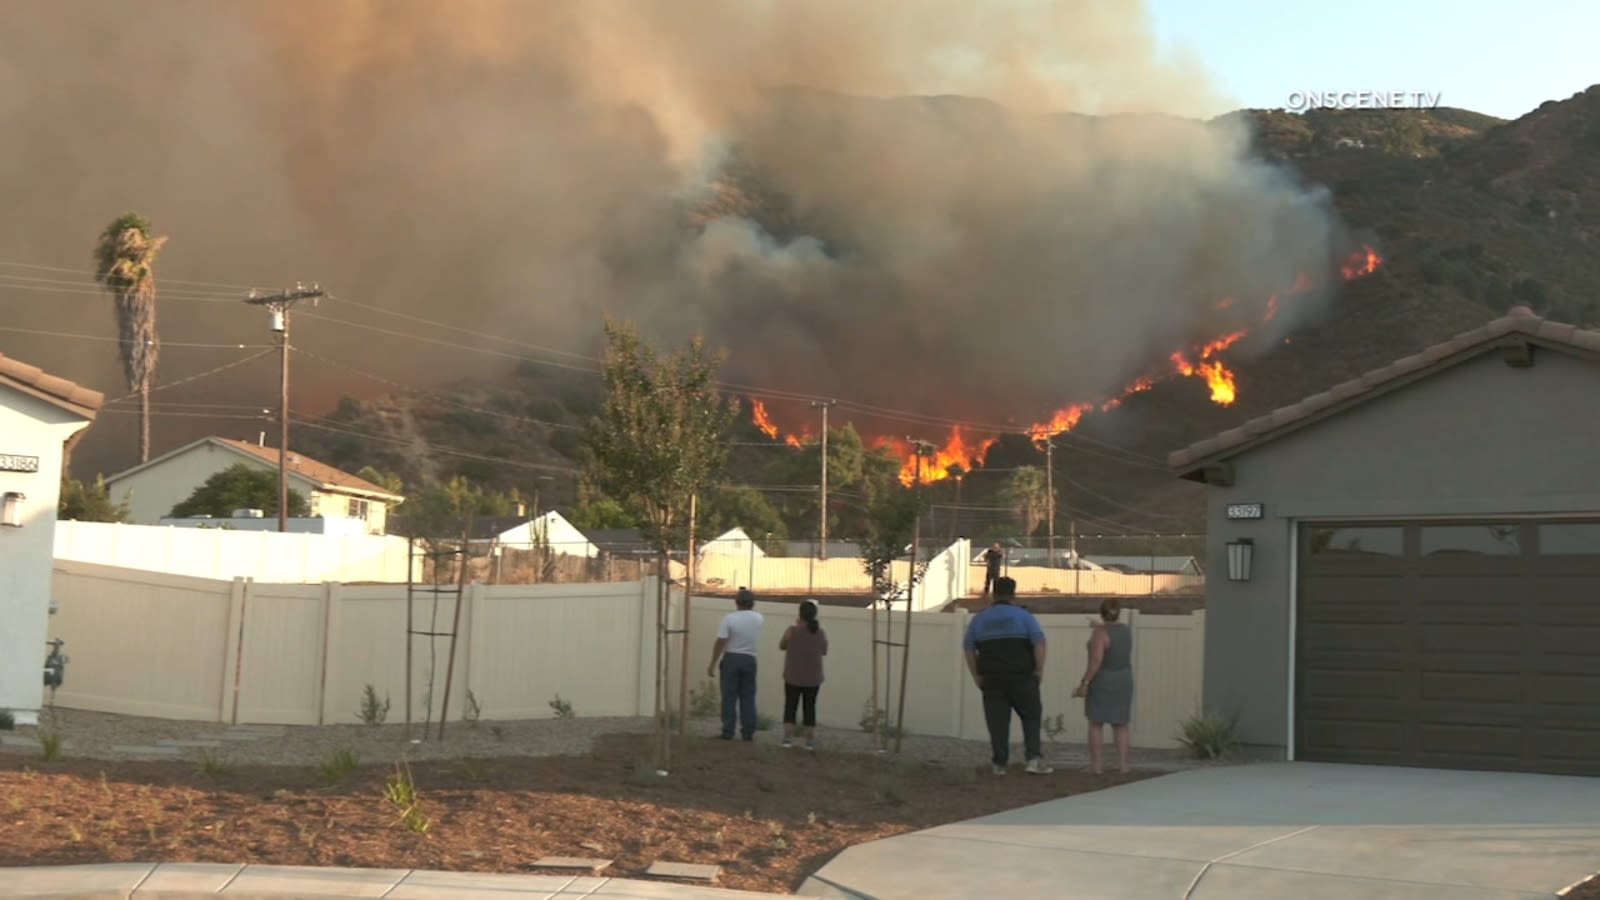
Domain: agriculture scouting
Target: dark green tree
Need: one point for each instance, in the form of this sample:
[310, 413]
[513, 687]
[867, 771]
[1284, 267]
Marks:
[659, 442]
[660, 437]
[83, 502]
[728, 507]
[240, 486]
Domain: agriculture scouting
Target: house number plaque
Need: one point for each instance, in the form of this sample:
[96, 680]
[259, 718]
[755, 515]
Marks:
[1244, 510]
[13, 463]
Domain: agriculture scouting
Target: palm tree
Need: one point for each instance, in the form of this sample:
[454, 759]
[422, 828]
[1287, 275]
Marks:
[124, 260]
[1026, 494]
[958, 472]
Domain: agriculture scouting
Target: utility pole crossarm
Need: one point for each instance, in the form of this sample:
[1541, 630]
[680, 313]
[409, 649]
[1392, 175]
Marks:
[279, 304]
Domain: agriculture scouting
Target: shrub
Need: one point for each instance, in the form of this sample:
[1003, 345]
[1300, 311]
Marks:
[339, 764]
[563, 708]
[1210, 737]
[372, 711]
[705, 701]
[7, 720]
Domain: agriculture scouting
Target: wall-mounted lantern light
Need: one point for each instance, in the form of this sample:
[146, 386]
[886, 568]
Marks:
[1240, 556]
[11, 509]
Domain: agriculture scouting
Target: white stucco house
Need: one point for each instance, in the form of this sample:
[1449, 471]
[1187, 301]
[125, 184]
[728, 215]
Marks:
[551, 528]
[40, 416]
[152, 489]
[734, 542]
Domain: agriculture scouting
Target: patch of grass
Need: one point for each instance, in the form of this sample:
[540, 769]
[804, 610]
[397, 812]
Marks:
[766, 723]
[1210, 737]
[705, 701]
[563, 708]
[337, 765]
[372, 711]
[401, 792]
[474, 770]
[215, 764]
[50, 744]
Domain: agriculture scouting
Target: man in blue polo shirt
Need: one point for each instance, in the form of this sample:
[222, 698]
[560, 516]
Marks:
[1005, 654]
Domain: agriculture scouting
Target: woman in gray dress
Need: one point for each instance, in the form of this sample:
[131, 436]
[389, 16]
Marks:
[1107, 685]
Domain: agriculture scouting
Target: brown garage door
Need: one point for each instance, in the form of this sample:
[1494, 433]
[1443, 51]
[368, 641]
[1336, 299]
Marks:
[1450, 644]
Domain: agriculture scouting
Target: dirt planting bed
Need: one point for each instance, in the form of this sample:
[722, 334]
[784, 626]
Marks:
[767, 816]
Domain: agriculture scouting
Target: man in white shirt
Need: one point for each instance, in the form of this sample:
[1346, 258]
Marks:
[738, 637]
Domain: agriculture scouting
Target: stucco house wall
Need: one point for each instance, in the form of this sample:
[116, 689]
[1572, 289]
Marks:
[1479, 438]
[29, 427]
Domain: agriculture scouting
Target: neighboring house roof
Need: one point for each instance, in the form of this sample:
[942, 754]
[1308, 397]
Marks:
[1516, 335]
[58, 392]
[324, 476]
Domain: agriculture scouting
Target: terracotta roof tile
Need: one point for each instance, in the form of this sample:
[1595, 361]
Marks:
[320, 472]
[57, 391]
[1520, 320]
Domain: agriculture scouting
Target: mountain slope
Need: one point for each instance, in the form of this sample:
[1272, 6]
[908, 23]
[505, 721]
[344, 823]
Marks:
[1472, 215]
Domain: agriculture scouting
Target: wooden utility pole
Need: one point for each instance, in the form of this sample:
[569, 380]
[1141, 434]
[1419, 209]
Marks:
[1050, 500]
[279, 305]
[822, 513]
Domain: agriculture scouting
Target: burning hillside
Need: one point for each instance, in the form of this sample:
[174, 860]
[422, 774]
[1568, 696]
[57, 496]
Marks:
[1203, 362]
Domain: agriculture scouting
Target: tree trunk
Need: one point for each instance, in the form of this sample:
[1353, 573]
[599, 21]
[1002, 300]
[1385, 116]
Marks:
[144, 423]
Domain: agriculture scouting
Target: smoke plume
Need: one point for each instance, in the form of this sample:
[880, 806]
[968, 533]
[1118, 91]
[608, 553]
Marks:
[966, 209]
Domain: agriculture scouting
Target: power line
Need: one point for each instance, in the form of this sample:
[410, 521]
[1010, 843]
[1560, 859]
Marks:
[111, 340]
[592, 364]
[436, 396]
[305, 421]
[196, 377]
[90, 273]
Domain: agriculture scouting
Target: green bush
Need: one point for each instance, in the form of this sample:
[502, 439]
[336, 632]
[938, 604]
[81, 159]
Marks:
[1210, 737]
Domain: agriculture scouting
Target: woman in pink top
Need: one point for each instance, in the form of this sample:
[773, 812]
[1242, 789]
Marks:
[803, 645]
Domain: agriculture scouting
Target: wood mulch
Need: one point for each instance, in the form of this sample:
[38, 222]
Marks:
[769, 817]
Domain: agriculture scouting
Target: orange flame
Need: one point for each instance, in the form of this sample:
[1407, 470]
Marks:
[937, 465]
[1201, 362]
[758, 414]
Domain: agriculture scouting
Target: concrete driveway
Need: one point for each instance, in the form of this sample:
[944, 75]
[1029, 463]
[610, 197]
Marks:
[1274, 830]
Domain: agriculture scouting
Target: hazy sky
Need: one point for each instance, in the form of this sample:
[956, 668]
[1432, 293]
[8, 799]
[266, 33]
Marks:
[1490, 57]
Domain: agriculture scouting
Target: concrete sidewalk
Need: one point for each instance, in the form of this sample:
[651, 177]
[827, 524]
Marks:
[1281, 830]
[187, 881]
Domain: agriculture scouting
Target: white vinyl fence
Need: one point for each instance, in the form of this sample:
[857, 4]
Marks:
[945, 579]
[220, 553]
[167, 646]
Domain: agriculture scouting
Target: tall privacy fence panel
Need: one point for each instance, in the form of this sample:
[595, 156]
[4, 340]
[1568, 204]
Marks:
[250, 652]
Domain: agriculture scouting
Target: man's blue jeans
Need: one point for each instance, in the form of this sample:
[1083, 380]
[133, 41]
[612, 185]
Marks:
[738, 671]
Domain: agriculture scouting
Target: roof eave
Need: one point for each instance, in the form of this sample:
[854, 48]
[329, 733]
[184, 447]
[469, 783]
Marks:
[1215, 468]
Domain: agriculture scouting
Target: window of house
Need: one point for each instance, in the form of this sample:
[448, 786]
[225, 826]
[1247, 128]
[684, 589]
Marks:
[357, 508]
[1570, 538]
[1503, 539]
[1380, 540]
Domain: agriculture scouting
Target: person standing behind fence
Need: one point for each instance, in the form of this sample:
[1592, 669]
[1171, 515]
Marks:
[803, 645]
[1107, 685]
[738, 639]
[1005, 650]
[992, 558]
